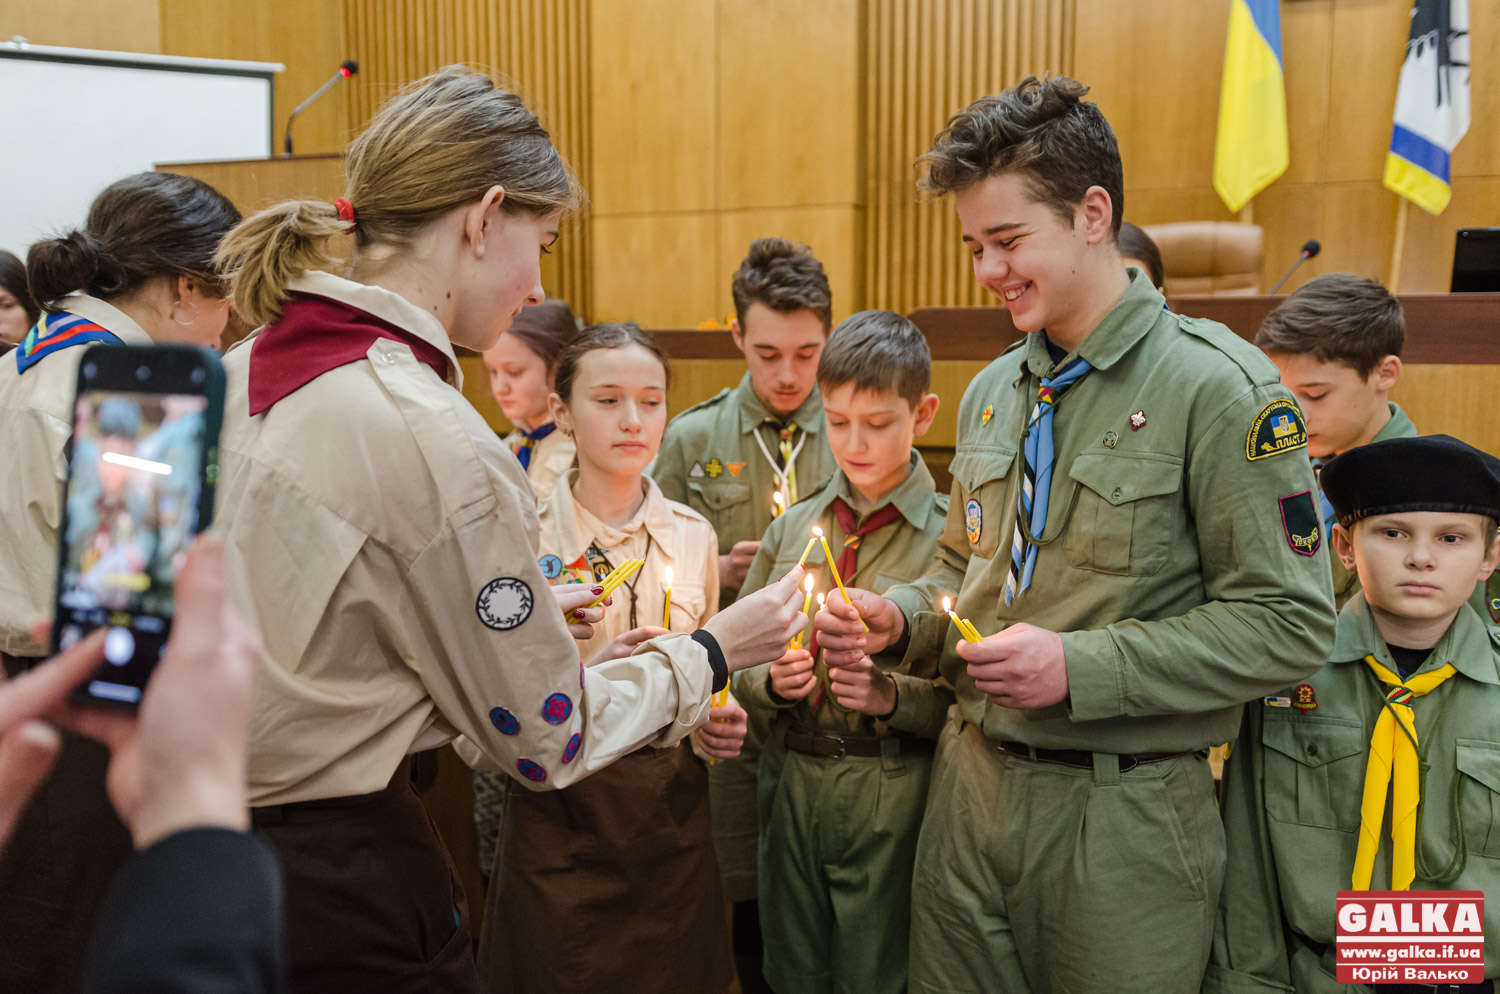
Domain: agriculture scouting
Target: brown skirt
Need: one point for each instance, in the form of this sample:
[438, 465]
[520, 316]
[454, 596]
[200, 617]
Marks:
[372, 901]
[609, 885]
[65, 850]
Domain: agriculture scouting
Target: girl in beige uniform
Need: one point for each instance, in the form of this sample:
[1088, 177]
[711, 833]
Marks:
[521, 364]
[640, 908]
[383, 540]
[139, 271]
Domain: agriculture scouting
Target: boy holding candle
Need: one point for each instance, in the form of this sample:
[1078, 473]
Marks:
[1407, 707]
[724, 458]
[1134, 530]
[843, 780]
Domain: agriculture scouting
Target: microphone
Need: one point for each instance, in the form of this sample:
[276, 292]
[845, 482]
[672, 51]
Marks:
[1309, 249]
[347, 69]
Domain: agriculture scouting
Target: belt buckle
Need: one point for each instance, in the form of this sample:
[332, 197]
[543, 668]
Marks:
[842, 749]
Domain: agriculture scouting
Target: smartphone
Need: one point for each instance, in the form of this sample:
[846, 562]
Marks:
[142, 462]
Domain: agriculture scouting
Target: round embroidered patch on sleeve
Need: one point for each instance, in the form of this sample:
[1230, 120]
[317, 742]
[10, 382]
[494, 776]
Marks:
[531, 771]
[555, 709]
[571, 749]
[505, 722]
[504, 603]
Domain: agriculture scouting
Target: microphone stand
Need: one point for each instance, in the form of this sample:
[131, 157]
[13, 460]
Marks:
[344, 72]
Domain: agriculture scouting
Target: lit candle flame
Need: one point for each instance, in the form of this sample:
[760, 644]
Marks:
[669, 576]
[947, 605]
[817, 531]
[807, 584]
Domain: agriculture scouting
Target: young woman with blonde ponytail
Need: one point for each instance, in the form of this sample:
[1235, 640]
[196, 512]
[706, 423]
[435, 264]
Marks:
[384, 541]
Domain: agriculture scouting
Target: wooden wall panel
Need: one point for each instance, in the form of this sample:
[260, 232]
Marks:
[535, 46]
[121, 26]
[923, 60]
[1342, 62]
[656, 269]
[307, 36]
[1453, 400]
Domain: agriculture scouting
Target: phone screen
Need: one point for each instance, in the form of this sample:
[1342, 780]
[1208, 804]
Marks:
[134, 481]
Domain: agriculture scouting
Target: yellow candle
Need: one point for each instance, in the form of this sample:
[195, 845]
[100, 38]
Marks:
[964, 629]
[666, 614]
[807, 585]
[778, 504]
[817, 533]
[622, 573]
[835, 570]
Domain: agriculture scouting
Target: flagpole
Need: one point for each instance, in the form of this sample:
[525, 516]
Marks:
[1398, 248]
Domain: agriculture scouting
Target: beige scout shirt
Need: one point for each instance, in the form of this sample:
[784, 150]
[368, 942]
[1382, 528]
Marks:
[36, 419]
[553, 456]
[663, 532]
[383, 541]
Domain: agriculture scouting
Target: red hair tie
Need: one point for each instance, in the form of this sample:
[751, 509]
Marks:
[346, 211]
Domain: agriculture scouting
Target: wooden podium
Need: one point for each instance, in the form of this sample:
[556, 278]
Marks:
[253, 184]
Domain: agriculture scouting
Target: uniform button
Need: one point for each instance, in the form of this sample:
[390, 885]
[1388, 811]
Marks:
[1116, 494]
[1312, 748]
[388, 357]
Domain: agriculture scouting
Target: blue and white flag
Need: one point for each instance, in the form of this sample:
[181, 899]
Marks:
[1432, 104]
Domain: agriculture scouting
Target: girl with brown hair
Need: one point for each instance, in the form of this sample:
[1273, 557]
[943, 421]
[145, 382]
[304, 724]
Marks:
[521, 364]
[383, 540]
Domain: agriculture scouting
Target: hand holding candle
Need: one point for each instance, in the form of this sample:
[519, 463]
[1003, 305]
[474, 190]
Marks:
[622, 573]
[807, 585]
[828, 553]
[965, 628]
[817, 533]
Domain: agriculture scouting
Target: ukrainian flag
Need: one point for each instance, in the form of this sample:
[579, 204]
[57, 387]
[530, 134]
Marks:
[1432, 104]
[1250, 150]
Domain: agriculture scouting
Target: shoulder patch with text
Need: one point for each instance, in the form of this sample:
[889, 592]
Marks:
[1277, 428]
[1299, 519]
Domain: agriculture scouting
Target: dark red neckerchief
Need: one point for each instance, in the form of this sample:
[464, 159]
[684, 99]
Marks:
[849, 557]
[317, 334]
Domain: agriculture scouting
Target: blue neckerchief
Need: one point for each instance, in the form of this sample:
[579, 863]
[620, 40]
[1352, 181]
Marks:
[55, 332]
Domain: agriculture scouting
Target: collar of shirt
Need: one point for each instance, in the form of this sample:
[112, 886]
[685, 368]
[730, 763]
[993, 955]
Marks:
[1466, 643]
[1399, 426]
[1112, 337]
[576, 528]
[913, 497]
[386, 305]
[106, 315]
[753, 414]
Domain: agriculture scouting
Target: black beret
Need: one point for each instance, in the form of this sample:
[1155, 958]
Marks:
[1424, 473]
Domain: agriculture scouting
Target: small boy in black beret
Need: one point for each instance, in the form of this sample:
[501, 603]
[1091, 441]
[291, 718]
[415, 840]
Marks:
[1382, 771]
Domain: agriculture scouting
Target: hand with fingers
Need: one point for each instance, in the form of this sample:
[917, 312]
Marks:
[723, 735]
[573, 601]
[842, 636]
[623, 645]
[757, 628]
[736, 564]
[862, 687]
[1020, 667]
[792, 676]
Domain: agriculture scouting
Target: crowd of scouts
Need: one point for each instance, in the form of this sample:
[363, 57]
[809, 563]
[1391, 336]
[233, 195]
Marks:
[1150, 525]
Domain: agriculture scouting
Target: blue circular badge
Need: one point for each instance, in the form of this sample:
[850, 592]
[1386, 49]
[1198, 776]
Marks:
[504, 721]
[973, 520]
[571, 749]
[551, 567]
[555, 709]
[531, 770]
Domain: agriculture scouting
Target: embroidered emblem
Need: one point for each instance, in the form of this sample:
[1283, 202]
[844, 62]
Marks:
[713, 469]
[1299, 520]
[734, 468]
[504, 603]
[1138, 420]
[530, 770]
[989, 412]
[973, 520]
[599, 563]
[1277, 428]
[1277, 702]
[1305, 698]
[1111, 439]
[1492, 596]
[505, 723]
[551, 567]
[555, 709]
[696, 473]
[571, 749]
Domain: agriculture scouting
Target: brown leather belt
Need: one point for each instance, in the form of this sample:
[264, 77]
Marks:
[830, 746]
[1080, 759]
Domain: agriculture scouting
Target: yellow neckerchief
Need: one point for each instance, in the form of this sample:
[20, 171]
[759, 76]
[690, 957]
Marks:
[1393, 758]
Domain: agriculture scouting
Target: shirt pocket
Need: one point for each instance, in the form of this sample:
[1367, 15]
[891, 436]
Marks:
[1479, 780]
[1314, 771]
[983, 480]
[1128, 513]
[689, 606]
[727, 507]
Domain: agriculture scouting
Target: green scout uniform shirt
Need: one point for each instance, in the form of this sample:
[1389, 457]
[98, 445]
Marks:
[1345, 582]
[1166, 565]
[888, 556]
[709, 461]
[1292, 791]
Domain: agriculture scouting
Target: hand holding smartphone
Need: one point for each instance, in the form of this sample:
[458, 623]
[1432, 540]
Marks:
[142, 463]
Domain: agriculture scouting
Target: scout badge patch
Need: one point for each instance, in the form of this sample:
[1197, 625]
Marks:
[551, 567]
[973, 520]
[989, 412]
[599, 563]
[1305, 698]
[697, 471]
[1277, 702]
[714, 468]
[1492, 595]
[734, 468]
[1111, 439]
[1138, 420]
[504, 603]
[1277, 428]
[1299, 520]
